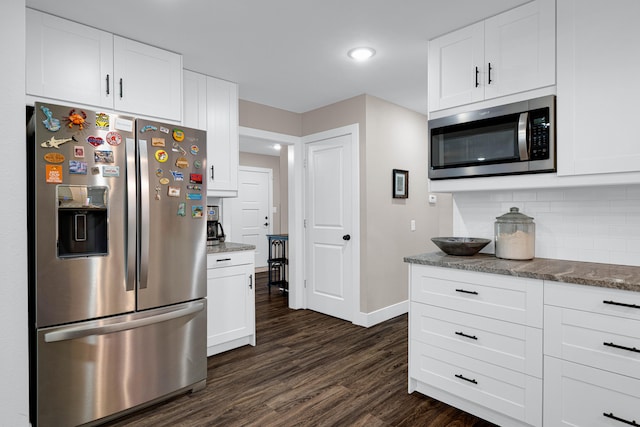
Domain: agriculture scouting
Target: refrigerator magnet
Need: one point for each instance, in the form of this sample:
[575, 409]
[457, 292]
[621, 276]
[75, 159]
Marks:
[162, 156]
[197, 164]
[111, 171]
[194, 149]
[194, 196]
[164, 181]
[197, 211]
[102, 121]
[103, 156]
[182, 162]
[195, 178]
[56, 143]
[194, 187]
[173, 191]
[53, 174]
[77, 168]
[114, 138]
[177, 176]
[50, 123]
[182, 209]
[164, 130]
[54, 158]
[148, 128]
[96, 141]
[178, 135]
[157, 142]
[78, 151]
[159, 172]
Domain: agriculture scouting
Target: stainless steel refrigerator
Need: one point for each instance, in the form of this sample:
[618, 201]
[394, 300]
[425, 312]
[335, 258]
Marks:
[117, 263]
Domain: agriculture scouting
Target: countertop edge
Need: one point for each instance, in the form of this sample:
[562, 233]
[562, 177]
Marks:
[611, 276]
[229, 247]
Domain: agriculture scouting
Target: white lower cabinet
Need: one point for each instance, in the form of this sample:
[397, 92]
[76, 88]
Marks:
[578, 395]
[592, 356]
[475, 342]
[230, 301]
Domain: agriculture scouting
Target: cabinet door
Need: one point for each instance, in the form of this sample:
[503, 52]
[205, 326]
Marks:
[455, 68]
[230, 304]
[222, 138]
[68, 61]
[194, 94]
[148, 80]
[520, 49]
[598, 87]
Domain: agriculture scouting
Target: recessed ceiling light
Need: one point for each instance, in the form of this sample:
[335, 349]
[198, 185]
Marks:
[361, 53]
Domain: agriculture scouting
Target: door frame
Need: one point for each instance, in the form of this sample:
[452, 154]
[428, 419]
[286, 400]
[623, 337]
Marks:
[296, 180]
[351, 131]
[226, 202]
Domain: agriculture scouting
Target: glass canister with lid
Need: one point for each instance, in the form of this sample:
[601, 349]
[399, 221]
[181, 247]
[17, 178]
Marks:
[515, 236]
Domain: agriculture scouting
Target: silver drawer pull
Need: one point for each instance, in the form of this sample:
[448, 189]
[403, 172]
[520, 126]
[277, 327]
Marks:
[622, 304]
[462, 334]
[462, 377]
[610, 344]
[622, 420]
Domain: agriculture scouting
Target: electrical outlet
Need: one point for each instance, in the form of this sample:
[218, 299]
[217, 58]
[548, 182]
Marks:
[413, 225]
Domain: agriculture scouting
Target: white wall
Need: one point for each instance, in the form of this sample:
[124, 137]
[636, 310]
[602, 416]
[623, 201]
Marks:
[14, 387]
[593, 224]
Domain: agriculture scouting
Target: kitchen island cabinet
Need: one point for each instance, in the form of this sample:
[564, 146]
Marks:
[476, 335]
[68, 61]
[230, 297]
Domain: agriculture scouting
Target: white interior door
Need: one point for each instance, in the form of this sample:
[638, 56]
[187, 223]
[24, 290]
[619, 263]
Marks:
[251, 210]
[329, 250]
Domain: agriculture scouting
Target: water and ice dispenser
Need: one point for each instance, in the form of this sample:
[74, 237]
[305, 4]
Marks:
[82, 220]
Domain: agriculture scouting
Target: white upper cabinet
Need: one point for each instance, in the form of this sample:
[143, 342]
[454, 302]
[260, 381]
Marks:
[148, 79]
[71, 62]
[598, 87]
[509, 53]
[212, 104]
[194, 97]
[68, 61]
[222, 138]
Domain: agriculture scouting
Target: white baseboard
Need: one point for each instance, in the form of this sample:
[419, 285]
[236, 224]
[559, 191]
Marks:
[370, 319]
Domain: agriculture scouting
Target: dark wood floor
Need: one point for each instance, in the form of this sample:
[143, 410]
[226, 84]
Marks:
[307, 369]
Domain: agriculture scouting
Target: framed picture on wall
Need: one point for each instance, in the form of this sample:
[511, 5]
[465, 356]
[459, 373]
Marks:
[400, 184]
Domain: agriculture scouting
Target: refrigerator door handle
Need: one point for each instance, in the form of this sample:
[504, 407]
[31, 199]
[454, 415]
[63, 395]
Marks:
[131, 215]
[75, 332]
[144, 214]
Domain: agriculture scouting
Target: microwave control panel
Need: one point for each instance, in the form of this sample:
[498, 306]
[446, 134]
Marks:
[539, 137]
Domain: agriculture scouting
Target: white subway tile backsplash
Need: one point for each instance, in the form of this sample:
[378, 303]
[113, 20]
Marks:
[596, 224]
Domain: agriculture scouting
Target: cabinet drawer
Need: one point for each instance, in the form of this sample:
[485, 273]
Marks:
[614, 302]
[509, 298]
[510, 345]
[514, 394]
[577, 395]
[606, 342]
[225, 259]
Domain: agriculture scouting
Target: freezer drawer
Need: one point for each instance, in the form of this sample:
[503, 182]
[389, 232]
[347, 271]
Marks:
[90, 370]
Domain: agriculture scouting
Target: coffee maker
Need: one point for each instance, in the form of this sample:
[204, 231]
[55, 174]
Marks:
[215, 232]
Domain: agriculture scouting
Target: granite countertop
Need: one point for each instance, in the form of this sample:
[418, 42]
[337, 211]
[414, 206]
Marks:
[583, 273]
[229, 247]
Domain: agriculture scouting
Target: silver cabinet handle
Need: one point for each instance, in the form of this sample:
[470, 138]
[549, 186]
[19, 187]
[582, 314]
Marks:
[251, 281]
[76, 332]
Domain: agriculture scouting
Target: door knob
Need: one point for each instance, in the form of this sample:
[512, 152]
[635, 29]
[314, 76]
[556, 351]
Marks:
[346, 237]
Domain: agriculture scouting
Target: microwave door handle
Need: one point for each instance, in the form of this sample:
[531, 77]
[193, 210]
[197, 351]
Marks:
[523, 149]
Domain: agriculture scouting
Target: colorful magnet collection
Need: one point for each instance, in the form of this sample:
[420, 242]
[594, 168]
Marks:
[173, 177]
[78, 122]
[101, 152]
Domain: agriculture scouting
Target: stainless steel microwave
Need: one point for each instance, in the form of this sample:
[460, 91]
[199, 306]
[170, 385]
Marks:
[509, 139]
